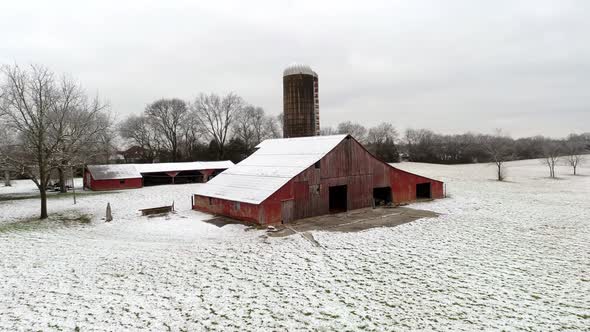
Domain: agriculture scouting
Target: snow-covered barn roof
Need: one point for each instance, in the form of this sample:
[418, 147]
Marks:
[130, 171]
[269, 168]
[185, 166]
[114, 171]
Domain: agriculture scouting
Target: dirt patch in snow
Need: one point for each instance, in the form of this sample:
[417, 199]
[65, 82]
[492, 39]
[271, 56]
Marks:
[354, 221]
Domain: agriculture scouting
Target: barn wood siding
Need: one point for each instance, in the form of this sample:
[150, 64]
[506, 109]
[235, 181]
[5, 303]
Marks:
[115, 184]
[404, 186]
[237, 210]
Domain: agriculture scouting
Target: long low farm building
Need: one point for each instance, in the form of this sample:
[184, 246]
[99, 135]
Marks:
[126, 176]
[293, 178]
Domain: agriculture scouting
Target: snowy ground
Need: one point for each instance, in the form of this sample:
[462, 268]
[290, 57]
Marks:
[503, 256]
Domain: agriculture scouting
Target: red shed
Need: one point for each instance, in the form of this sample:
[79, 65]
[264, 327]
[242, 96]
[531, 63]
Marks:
[109, 177]
[125, 176]
[294, 178]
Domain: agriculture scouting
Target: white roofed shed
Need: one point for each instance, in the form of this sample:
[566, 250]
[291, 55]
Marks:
[114, 171]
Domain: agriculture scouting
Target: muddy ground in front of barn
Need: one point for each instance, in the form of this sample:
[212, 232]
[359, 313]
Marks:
[350, 221]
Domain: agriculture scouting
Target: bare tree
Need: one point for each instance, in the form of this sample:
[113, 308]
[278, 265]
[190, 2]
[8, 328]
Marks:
[77, 126]
[551, 154]
[167, 117]
[52, 122]
[5, 144]
[192, 134]
[356, 130]
[105, 145]
[216, 116]
[138, 131]
[421, 145]
[382, 133]
[252, 126]
[7, 182]
[499, 150]
[575, 150]
[381, 141]
[327, 131]
[28, 100]
[281, 122]
[272, 127]
[248, 125]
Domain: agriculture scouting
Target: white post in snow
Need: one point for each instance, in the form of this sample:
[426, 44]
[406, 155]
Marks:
[109, 215]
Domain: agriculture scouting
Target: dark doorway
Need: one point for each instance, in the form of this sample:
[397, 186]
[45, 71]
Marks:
[156, 179]
[338, 199]
[188, 177]
[423, 190]
[382, 196]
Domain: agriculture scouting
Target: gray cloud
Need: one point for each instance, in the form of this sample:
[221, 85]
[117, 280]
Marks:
[452, 66]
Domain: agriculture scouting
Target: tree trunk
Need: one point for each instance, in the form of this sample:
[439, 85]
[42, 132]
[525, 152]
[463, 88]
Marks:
[575, 170]
[62, 180]
[500, 172]
[8, 184]
[43, 202]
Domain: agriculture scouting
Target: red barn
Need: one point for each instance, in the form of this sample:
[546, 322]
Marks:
[126, 176]
[294, 178]
[110, 177]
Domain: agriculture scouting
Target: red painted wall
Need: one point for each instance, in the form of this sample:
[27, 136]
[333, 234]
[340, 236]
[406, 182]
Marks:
[98, 185]
[348, 164]
[404, 186]
[237, 210]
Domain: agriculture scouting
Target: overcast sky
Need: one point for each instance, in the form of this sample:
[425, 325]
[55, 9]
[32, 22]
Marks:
[451, 66]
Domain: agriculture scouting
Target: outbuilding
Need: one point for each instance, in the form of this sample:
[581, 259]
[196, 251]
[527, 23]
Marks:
[127, 176]
[294, 178]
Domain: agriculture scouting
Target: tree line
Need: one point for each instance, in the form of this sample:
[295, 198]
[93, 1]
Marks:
[210, 127]
[423, 145]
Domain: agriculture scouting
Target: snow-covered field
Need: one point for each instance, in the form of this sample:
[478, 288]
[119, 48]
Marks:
[503, 256]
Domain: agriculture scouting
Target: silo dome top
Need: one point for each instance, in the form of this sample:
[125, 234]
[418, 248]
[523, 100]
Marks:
[296, 68]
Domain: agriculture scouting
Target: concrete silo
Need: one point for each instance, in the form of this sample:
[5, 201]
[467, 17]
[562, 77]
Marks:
[301, 109]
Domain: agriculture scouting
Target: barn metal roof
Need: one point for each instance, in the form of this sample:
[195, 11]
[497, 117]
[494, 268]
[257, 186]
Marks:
[185, 166]
[130, 171]
[114, 171]
[269, 168]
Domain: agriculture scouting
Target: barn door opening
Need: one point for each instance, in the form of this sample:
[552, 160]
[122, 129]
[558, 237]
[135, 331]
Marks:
[423, 190]
[338, 199]
[382, 196]
[156, 179]
[287, 211]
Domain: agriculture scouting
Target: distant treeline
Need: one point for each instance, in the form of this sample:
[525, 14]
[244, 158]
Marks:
[213, 127]
[423, 145]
